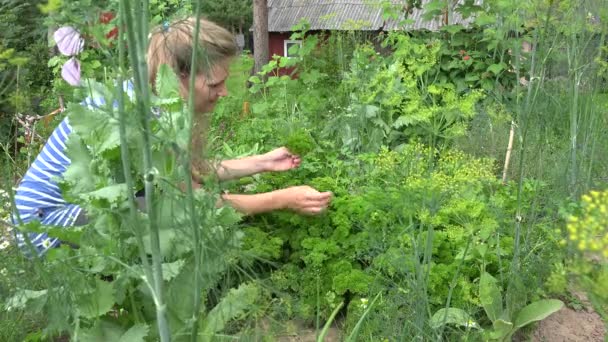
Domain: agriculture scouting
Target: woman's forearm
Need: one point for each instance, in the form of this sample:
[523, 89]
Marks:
[301, 199]
[256, 203]
[238, 168]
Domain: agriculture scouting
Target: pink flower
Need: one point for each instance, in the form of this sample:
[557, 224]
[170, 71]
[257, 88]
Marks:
[69, 44]
[71, 71]
[68, 41]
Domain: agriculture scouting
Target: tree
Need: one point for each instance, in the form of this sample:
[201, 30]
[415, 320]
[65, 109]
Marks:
[232, 14]
[260, 34]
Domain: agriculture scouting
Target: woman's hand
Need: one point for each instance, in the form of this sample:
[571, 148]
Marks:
[304, 199]
[279, 159]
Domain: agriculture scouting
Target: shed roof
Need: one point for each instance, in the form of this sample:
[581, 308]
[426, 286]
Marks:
[346, 15]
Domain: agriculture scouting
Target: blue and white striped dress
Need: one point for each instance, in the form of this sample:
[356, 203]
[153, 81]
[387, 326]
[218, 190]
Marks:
[38, 196]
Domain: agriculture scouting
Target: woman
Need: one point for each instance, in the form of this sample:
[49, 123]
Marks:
[39, 198]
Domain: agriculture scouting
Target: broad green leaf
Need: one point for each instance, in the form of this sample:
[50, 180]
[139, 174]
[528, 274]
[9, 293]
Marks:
[433, 8]
[18, 61]
[502, 328]
[72, 235]
[21, 299]
[259, 108]
[166, 242]
[452, 29]
[109, 136]
[172, 269]
[485, 19]
[452, 316]
[180, 296]
[537, 311]
[78, 174]
[227, 216]
[95, 64]
[99, 302]
[471, 78]
[102, 331]
[108, 195]
[99, 130]
[136, 333]
[371, 111]
[84, 121]
[7, 53]
[255, 80]
[497, 68]
[490, 297]
[233, 305]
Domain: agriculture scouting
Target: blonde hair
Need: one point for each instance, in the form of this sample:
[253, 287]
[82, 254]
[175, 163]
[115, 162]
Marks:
[172, 45]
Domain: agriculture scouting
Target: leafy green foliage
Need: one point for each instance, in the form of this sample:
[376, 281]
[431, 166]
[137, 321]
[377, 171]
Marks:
[505, 324]
[110, 243]
[451, 316]
[234, 14]
[300, 142]
[375, 232]
[490, 297]
[236, 303]
[424, 228]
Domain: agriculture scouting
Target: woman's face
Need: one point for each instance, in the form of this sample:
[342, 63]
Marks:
[208, 88]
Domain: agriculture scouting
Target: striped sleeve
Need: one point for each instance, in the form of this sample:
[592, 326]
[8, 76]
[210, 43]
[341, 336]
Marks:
[38, 196]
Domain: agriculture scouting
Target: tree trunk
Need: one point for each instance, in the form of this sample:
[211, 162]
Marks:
[260, 34]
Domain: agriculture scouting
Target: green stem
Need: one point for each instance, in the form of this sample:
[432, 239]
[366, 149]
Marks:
[138, 45]
[331, 318]
[125, 157]
[189, 187]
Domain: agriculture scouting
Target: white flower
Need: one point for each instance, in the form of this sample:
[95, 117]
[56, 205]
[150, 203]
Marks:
[46, 243]
[364, 302]
[471, 324]
[3, 272]
[4, 244]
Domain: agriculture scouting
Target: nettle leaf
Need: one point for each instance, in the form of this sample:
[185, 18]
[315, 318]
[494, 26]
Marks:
[167, 83]
[236, 303]
[135, 334]
[452, 316]
[92, 305]
[490, 297]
